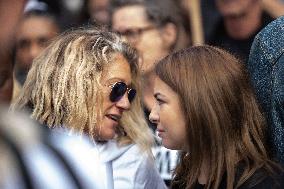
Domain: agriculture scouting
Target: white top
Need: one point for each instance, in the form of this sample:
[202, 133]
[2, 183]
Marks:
[115, 167]
[56, 160]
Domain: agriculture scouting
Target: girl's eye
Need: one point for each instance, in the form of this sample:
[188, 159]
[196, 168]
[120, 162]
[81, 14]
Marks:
[160, 101]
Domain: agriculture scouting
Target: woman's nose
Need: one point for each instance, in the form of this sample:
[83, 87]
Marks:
[123, 103]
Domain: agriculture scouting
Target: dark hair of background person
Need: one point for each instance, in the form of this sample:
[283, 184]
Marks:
[223, 121]
[68, 13]
[160, 13]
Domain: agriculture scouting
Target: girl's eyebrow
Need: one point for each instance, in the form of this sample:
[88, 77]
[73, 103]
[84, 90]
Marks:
[156, 95]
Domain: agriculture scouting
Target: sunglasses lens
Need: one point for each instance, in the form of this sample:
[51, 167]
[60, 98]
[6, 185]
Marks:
[131, 94]
[118, 90]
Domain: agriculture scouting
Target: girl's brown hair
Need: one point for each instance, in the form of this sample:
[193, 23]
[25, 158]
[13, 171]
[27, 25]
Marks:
[224, 123]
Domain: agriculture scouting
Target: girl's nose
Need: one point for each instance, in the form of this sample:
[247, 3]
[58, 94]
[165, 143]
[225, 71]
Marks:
[154, 116]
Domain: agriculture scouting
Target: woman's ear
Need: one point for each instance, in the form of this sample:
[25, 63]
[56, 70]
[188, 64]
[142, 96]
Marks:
[169, 34]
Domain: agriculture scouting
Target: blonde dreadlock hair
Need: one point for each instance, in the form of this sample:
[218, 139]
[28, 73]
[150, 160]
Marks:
[63, 86]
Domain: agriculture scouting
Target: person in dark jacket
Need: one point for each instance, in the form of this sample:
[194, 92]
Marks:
[240, 21]
[266, 67]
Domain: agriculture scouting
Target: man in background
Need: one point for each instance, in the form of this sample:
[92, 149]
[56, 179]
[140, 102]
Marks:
[155, 28]
[240, 21]
[35, 30]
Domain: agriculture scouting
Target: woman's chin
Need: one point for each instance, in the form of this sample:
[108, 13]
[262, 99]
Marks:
[108, 135]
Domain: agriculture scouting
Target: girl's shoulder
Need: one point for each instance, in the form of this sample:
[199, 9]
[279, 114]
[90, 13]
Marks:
[261, 179]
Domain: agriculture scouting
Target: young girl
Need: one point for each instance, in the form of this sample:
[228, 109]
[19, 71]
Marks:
[205, 107]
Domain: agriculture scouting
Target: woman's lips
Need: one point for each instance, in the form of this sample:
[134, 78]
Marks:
[113, 118]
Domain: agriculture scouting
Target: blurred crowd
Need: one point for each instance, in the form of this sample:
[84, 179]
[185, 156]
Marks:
[154, 29]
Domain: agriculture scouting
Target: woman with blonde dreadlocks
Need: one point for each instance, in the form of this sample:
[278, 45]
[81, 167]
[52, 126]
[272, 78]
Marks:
[87, 81]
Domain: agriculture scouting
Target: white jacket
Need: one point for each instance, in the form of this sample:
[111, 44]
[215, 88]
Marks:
[56, 160]
[131, 168]
[114, 167]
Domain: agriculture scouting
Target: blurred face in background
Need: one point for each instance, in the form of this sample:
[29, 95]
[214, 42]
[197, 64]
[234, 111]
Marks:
[32, 37]
[231, 8]
[6, 82]
[132, 23]
[98, 10]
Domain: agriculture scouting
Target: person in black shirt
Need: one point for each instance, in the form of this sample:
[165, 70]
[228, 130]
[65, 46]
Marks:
[240, 21]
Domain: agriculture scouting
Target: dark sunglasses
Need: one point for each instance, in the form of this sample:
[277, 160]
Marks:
[119, 89]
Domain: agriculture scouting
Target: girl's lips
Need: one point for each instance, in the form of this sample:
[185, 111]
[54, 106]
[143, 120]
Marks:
[160, 132]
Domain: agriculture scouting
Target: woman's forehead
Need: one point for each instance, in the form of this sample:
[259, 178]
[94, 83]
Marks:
[117, 70]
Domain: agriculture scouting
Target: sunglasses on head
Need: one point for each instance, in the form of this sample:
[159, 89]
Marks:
[119, 89]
